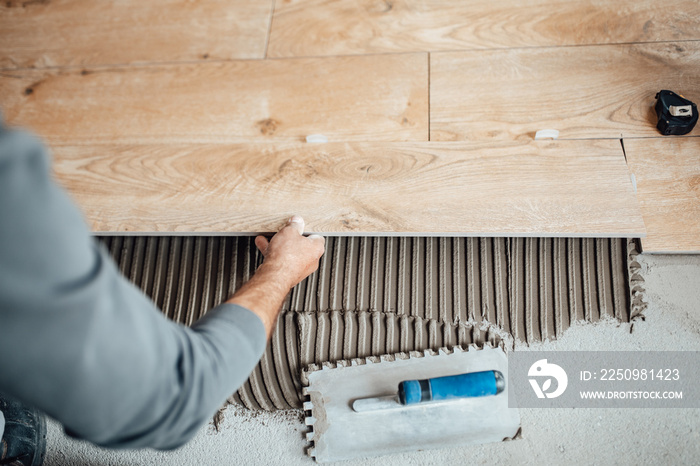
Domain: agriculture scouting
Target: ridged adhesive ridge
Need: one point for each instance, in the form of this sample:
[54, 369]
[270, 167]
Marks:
[379, 295]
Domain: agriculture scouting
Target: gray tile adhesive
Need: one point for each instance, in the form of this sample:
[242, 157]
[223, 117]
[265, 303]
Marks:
[383, 295]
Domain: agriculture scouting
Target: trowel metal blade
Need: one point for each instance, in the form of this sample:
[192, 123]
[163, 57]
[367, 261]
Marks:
[340, 433]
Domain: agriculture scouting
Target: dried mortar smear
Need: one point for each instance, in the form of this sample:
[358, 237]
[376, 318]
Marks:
[384, 295]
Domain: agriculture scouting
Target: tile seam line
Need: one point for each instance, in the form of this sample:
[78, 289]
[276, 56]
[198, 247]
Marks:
[176, 234]
[226, 60]
[269, 28]
[153, 64]
[489, 49]
[98, 143]
[677, 137]
[429, 108]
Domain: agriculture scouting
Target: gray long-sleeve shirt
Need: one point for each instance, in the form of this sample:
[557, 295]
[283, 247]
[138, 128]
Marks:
[84, 345]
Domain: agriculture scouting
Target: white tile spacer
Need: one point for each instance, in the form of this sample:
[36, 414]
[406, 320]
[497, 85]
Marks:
[546, 134]
[308, 406]
[316, 138]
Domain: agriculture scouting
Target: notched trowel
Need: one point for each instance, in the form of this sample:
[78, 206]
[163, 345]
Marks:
[408, 402]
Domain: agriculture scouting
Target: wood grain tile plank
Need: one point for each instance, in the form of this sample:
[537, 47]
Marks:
[37, 34]
[667, 171]
[563, 188]
[340, 27]
[365, 98]
[584, 92]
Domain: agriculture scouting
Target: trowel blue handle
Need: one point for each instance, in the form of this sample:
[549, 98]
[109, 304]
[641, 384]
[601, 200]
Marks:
[452, 386]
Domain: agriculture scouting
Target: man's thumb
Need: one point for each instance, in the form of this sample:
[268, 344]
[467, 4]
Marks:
[297, 223]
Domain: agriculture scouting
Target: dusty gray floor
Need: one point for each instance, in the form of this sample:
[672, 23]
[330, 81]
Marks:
[550, 436]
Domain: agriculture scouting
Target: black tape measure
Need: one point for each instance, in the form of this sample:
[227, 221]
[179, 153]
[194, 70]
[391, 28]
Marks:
[677, 115]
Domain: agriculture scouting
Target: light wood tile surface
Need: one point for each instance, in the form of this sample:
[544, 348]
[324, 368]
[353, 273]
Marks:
[80, 33]
[667, 171]
[563, 188]
[340, 27]
[365, 98]
[165, 114]
[584, 92]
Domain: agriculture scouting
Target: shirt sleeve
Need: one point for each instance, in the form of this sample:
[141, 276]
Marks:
[81, 343]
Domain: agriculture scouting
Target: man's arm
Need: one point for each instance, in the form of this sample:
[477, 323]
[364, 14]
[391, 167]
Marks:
[289, 258]
[80, 342]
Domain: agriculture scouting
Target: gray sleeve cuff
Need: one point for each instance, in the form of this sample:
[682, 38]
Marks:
[227, 322]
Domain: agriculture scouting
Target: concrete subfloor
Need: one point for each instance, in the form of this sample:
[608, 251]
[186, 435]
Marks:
[550, 436]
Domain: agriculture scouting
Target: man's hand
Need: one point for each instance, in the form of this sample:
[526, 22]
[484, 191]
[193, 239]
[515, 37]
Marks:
[290, 255]
[289, 258]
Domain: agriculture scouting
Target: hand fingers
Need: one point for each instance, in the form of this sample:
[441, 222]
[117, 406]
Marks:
[320, 240]
[297, 223]
[261, 242]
